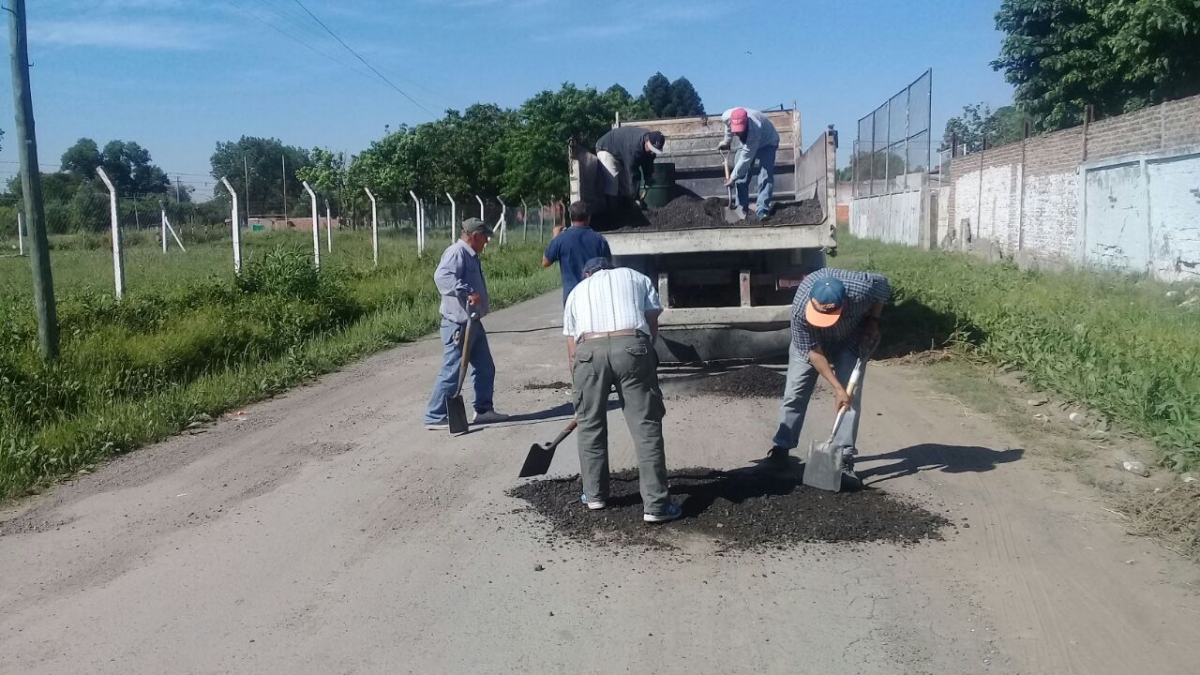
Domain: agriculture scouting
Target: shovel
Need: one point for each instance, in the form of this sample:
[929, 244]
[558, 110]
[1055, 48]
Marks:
[456, 410]
[537, 462]
[823, 469]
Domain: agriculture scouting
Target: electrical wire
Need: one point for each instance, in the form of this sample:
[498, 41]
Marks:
[364, 61]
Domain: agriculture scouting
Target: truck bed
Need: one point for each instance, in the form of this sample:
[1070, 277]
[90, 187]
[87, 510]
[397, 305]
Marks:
[692, 213]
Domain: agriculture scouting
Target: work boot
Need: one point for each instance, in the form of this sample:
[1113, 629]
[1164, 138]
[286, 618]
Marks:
[848, 474]
[777, 457]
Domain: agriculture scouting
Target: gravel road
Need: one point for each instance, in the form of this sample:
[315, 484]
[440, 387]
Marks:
[328, 532]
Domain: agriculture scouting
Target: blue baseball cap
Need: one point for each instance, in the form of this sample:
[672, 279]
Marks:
[596, 264]
[825, 303]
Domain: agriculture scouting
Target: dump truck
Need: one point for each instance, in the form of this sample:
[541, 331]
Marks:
[726, 284]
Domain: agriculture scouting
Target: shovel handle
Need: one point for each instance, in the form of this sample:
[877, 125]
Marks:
[563, 436]
[466, 353]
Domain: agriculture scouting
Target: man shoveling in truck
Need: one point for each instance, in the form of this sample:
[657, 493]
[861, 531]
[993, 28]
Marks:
[834, 315]
[625, 152]
[760, 142]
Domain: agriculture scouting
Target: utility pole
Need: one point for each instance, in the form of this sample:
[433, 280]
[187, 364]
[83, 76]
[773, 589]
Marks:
[31, 184]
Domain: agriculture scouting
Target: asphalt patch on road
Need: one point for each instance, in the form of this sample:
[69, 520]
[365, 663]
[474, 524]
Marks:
[750, 509]
[753, 381]
[538, 386]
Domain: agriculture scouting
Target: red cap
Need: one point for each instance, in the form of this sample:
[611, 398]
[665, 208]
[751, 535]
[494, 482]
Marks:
[738, 120]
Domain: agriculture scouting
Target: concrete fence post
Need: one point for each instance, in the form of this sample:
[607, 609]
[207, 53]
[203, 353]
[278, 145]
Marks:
[118, 255]
[328, 228]
[524, 221]
[453, 216]
[502, 226]
[477, 198]
[374, 226]
[20, 235]
[420, 217]
[237, 228]
[316, 224]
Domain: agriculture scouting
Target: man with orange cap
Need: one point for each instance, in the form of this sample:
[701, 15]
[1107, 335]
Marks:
[835, 314]
[760, 143]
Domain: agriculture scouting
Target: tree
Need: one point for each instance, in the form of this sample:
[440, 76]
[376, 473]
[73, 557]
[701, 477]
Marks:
[82, 159]
[265, 158]
[329, 174]
[978, 122]
[1118, 55]
[131, 169]
[657, 93]
[685, 102]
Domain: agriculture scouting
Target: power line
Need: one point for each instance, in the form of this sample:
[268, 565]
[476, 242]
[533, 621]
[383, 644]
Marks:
[297, 40]
[364, 61]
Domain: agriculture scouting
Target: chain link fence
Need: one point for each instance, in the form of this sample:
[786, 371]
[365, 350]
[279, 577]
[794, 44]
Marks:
[894, 146]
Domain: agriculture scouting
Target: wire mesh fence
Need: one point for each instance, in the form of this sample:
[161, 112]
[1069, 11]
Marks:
[894, 146]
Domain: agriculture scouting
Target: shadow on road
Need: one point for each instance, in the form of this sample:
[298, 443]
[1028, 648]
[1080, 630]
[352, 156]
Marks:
[932, 456]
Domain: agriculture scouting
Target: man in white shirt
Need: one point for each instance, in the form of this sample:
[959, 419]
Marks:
[611, 320]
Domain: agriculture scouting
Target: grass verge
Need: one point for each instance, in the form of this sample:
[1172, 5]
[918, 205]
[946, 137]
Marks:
[1114, 344]
[189, 341]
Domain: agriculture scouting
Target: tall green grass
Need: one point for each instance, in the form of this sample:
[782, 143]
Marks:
[190, 340]
[1114, 343]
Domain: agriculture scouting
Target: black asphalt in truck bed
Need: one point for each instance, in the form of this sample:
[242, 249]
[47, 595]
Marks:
[692, 213]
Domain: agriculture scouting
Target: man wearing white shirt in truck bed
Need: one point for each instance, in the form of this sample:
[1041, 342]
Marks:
[611, 320]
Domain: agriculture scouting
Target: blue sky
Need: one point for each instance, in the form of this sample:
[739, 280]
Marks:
[179, 75]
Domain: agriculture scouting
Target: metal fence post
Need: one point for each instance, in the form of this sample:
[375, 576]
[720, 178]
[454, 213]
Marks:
[118, 256]
[374, 226]
[316, 224]
[237, 238]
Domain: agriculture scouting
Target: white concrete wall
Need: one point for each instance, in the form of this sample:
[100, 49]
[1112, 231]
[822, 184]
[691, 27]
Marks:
[1174, 196]
[1133, 213]
[1050, 215]
[891, 218]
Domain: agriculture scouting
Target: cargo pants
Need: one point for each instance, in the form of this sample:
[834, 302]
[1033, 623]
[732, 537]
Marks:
[630, 364]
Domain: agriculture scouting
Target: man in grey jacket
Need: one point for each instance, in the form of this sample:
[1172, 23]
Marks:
[760, 143]
[459, 279]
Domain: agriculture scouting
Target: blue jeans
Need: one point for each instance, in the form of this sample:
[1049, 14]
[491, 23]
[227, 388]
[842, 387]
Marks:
[766, 179]
[483, 370]
[801, 378]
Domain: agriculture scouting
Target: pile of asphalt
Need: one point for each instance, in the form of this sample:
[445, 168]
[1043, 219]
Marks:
[749, 509]
[752, 381]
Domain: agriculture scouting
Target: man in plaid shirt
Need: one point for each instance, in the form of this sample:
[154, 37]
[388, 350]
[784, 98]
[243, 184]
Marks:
[835, 314]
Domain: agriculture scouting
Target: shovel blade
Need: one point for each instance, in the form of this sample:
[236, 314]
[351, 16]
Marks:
[823, 469]
[456, 414]
[537, 462]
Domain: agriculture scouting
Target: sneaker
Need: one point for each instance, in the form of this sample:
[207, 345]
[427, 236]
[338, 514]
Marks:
[778, 457]
[438, 426]
[488, 417]
[673, 512]
[594, 505]
[761, 215]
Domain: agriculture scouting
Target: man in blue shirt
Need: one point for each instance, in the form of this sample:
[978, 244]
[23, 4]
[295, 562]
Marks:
[459, 280]
[574, 247]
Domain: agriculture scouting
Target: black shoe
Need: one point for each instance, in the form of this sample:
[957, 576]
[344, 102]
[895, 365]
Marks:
[848, 473]
[778, 457]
